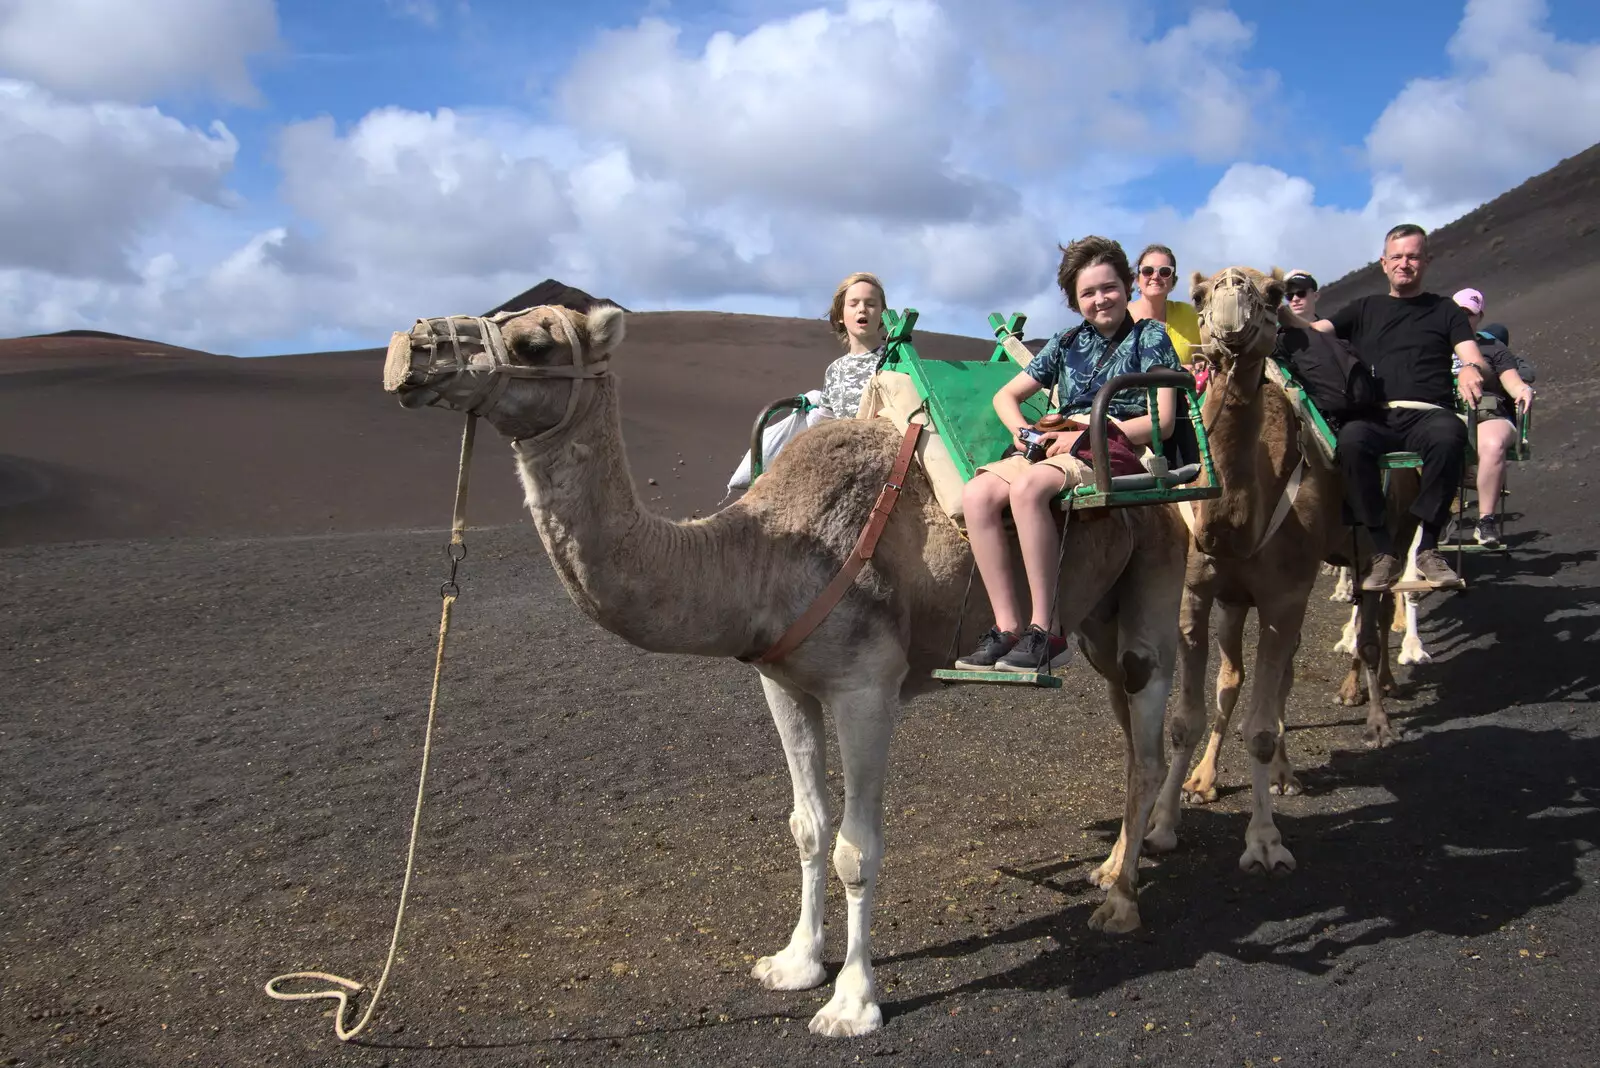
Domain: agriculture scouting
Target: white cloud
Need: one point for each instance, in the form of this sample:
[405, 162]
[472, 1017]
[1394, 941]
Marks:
[136, 51]
[80, 185]
[1517, 101]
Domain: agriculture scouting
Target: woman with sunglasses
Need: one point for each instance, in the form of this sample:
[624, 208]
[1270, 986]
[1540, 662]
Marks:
[1157, 274]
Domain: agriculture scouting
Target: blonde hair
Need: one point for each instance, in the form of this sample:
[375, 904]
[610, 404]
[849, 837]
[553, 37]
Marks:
[836, 309]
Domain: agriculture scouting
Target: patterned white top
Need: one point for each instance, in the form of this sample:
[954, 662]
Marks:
[846, 379]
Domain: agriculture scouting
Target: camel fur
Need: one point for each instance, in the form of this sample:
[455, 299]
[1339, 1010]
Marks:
[730, 584]
[1237, 563]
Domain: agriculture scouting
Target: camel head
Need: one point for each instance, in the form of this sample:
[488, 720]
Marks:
[1238, 310]
[522, 371]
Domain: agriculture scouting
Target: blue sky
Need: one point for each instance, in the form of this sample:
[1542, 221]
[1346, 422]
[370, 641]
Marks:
[269, 183]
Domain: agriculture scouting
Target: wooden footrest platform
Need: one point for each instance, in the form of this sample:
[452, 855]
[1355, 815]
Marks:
[1015, 678]
[1423, 586]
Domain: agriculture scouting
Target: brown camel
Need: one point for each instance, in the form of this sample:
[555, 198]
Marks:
[731, 584]
[1260, 545]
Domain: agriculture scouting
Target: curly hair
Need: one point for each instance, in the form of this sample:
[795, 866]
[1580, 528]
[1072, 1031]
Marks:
[1087, 252]
[836, 309]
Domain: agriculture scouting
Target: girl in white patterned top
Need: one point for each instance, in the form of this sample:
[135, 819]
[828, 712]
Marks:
[856, 316]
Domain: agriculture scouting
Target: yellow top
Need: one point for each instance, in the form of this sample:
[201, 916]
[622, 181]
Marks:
[1183, 327]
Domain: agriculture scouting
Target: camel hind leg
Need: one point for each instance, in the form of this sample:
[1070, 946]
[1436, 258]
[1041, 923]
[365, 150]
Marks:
[864, 720]
[1202, 785]
[1187, 724]
[798, 715]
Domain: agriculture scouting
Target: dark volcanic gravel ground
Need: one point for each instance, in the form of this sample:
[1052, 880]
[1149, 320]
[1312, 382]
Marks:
[210, 750]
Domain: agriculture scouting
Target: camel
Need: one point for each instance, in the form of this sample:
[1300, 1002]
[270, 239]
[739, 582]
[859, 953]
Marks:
[730, 584]
[1260, 545]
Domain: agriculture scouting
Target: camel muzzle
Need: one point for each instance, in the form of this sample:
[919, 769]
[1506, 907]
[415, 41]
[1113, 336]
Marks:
[462, 361]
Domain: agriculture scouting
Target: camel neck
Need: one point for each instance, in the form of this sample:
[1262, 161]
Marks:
[659, 584]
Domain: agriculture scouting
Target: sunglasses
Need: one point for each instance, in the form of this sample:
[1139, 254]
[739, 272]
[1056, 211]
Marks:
[1294, 293]
[1159, 272]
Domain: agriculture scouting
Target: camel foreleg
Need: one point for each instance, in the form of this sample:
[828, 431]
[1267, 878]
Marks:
[1264, 852]
[798, 715]
[1411, 649]
[1347, 637]
[1202, 785]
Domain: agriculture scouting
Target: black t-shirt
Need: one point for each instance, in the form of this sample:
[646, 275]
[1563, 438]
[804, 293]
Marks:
[1407, 341]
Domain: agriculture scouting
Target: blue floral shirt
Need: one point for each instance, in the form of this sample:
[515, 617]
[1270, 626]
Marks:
[1077, 362]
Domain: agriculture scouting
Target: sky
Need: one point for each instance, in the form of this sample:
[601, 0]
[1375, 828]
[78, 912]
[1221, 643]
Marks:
[256, 177]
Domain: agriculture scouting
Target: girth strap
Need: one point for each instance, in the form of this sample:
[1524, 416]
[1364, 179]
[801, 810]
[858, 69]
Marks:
[813, 616]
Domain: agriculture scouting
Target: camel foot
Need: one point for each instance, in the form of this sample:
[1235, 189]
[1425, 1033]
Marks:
[1285, 784]
[1161, 839]
[847, 1016]
[1200, 789]
[1351, 693]
[1105, 876]
[1266, 856]
[1378, 735]
[1419, 655]
[789, 970]
[1118, 915]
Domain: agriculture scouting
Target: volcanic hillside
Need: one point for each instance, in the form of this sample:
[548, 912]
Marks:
[104, 437]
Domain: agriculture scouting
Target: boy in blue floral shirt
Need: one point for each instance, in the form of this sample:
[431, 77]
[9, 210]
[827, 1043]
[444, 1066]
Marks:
[1096, 278]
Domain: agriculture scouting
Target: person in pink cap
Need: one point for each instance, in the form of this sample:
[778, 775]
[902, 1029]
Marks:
[1505, 396]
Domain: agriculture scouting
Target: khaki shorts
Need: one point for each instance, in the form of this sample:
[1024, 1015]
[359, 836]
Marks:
[1074, 472]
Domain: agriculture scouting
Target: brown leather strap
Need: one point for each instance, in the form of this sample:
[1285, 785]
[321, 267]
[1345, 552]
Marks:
[801, 628]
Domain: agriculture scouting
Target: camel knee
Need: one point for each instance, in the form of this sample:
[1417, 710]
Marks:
[1137, 669]
[807, 833]
[854, 866]
[1264, 745]
[1180, 734]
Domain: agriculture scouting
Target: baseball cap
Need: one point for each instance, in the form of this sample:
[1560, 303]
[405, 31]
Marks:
[1498, 332]
[1304, 279]
[1471, 300]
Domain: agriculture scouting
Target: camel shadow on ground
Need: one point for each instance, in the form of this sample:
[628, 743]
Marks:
[1494, 804]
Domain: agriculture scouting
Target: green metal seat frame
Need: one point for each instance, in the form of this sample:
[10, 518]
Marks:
[958, 396]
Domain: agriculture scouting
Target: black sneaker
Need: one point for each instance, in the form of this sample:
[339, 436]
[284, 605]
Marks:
[1487, 532]
[1037, 651]
[991, 648]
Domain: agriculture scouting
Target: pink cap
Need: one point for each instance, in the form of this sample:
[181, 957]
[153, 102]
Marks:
[1471, 300]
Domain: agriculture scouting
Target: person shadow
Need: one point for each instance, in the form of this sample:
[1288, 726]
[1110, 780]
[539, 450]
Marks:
[1483, 811]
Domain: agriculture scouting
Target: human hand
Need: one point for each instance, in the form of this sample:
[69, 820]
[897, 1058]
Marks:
[1061, 441]
[1471, 386]
[1525, 400]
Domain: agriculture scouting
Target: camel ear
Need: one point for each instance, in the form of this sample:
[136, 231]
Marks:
[606, 328]
[1197, 289]
[1276, 274]
[1274, 289]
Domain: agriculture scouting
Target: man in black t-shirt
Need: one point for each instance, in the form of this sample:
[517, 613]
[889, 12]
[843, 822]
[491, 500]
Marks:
[1407, 338]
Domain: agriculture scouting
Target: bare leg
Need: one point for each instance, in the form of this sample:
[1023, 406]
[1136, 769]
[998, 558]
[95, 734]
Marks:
[1038, 535]
[984, 501]
[1202, 785]
[865, 722]
[798, 966]
[1494, 439]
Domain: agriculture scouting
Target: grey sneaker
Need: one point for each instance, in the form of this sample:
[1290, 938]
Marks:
[1037, 651]
[1487, 532]
[991, 648]
[1382, 573]
[1439, 575]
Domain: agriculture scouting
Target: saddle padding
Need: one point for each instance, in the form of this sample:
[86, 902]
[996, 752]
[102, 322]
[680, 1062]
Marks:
[892, 395]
